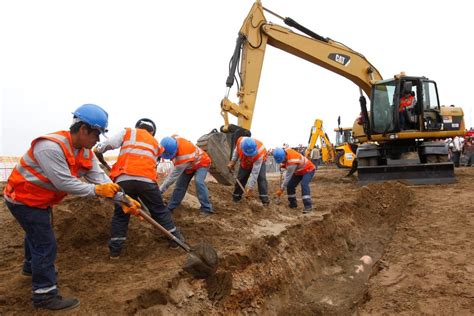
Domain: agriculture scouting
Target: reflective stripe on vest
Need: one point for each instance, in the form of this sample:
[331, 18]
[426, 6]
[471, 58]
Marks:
[188, 152]
[303, 165]
[138, 155]
[31, 177]
[28, 184]
[133, 142]
[245, 161]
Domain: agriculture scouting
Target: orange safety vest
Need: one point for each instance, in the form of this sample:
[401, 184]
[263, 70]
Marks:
[304, 165]
[188, 152]
[247, 162]
[405, 102]
[138, 155]
[28, 183]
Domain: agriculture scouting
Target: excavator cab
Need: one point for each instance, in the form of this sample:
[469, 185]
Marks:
[424, 114]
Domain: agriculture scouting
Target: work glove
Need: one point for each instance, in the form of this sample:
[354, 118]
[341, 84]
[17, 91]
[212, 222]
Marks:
[248, 192]
[231, 165]
[279, 192]
[131, 206]
[107, 190]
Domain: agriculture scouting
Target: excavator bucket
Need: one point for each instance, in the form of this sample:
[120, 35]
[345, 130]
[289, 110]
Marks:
[217, 145]
[427, 173]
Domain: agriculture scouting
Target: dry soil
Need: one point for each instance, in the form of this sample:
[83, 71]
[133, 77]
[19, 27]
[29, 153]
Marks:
[273, 260]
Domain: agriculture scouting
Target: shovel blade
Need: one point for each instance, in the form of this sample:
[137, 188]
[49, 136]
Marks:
[202, 261]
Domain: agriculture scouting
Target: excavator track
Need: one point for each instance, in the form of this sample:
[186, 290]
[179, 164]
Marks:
[427, 173]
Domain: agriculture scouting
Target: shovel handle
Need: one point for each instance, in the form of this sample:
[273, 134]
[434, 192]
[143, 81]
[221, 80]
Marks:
[150, 220]
[240, 184]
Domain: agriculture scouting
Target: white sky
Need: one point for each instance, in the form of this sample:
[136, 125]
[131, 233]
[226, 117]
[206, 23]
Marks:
[168, 61]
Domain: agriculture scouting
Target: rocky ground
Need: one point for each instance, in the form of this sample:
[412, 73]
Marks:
[380, 249]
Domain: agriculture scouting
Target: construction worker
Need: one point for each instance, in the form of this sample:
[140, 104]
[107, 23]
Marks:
[407, 101]
[136, 173]
[298, 169]
[252, 155]
[44, 176]
[189, 161]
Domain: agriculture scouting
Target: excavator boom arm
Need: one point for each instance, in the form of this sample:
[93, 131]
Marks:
[256, 33]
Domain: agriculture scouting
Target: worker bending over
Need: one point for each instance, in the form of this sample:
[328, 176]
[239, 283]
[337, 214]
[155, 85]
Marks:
[44, 176]
[189, 161]
[298, 169]
[135, 172]
[252, 155]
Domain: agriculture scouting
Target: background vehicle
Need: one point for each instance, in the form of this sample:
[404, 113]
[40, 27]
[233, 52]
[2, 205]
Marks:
[386, 150]
[345, 147]
[328, 155]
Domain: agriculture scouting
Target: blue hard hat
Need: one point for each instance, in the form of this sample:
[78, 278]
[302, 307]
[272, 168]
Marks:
[279, 155]
[249, 147]
[170, 146]
[93, 115]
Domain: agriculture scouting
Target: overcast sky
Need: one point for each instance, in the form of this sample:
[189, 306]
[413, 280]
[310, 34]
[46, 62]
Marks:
[168, 61]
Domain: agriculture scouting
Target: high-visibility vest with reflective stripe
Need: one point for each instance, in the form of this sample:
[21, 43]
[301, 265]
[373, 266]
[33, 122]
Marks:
[247, 162]
[304, 165]
[188, 152]
[138, 155]
[406, 102]
[28, 183]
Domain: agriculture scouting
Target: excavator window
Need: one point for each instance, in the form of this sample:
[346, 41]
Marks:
[431, 109]
[383, 107]
[430, 96]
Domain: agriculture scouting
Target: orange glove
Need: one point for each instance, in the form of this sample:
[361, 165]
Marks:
[279, 192]
[131, 207]
[248, 192]
[107, 190]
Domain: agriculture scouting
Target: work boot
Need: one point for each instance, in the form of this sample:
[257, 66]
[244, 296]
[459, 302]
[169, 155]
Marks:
[206, 213]
[114, 255]
[57, 303]
[171, 243]
[307, 210]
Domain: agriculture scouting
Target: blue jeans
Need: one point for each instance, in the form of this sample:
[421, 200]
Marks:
[305, 180]
[401, 120]
[181, 187]
[243, 176]
[150, 194]
[40, 248]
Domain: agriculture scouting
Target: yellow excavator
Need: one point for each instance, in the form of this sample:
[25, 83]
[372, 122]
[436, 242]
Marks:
[386, 149]
[327, 148]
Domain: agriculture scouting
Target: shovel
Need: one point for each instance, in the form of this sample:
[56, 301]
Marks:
[202, 259]
[278, 198]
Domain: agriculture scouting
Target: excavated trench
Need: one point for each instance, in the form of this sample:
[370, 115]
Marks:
[318, 265]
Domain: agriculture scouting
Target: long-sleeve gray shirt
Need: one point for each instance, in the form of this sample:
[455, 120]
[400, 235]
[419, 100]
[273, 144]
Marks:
[257, 165]
[52, 161]
[174, 175]
[290, 170]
